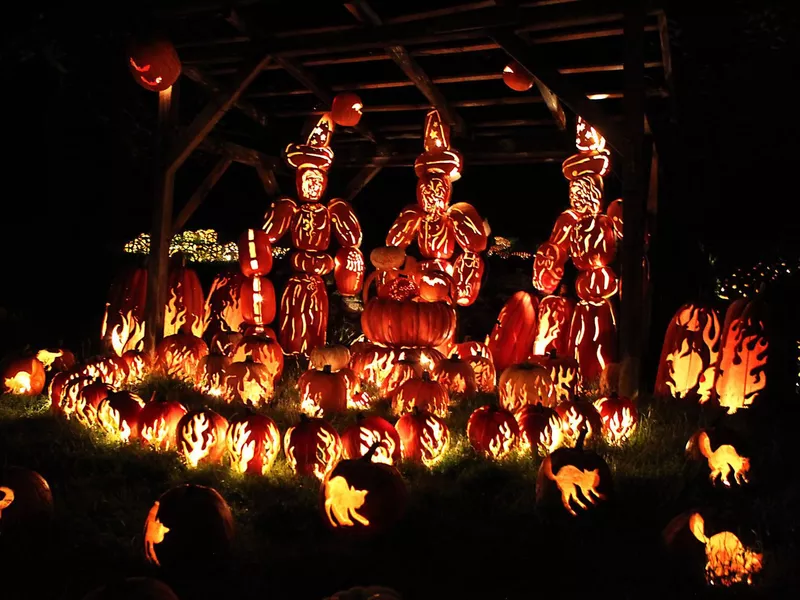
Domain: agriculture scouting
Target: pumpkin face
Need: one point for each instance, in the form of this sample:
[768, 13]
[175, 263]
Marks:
[211, 374]
[178, 356]
[303, 314]
[26, 501]
[88, 402]
[250, 382]
[456, 375]
[596, 284]
[201, 437]
[593, 337]
[255, 253]
[188, 526]
[223, 310]
[492, 432]
[552, 330]
[312, 447]
[563, 372]
[577, 416]
[725, 455]
[620, 418]
[185, 309]
[548, 267]
[512, 337]
[158, 424]
[154, 64]
[361, 496]
[433, 193]
[24, 376]
[124, 319]
[592, 243]
[323, 392]
[346, 109]
[424, 437]
[422, 394]
[360, 437]
[525, 384]
[254, 443]
[586, 195]
[397, 323]
[311, 183]
[517, 77]
[539, 429]
[349, 271]
[118, 414]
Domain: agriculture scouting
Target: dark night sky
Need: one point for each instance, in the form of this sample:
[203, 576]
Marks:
[77, 184]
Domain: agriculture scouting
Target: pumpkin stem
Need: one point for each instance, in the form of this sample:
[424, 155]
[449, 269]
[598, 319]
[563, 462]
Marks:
[454, 356]
[581, 437]
[327, 369]
[426, 376]
[614, 395]
[368, 456]
[552, 353]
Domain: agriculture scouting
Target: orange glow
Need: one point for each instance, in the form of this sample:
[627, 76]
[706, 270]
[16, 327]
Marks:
[435, 440]
[728, 562]
[384, 452]
[46, 357]
[342, 503]
[550, 437]
[154, 532]
[723, 462]
[741, 375]
[175, 316]
[7, 500]
[686, 367]
[126, 335]
[243, 449]
[20, 383]
[156, 433]
[570, 480]
[328, 452]
[196, 439]
[587, 138]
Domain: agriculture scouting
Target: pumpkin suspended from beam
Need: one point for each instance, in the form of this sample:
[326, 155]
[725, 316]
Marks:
[201, 437]
[346, 109]
[517, 77]
[254, 443]
[492, 432]
[154, 64]
[312, 447]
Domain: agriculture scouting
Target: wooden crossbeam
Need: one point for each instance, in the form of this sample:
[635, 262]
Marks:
[207, 81]
[217, 171]
[553, 105]
[268, 180]
[239, 153]
[666, 53]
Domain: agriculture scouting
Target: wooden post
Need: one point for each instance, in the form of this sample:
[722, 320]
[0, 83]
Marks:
[633, 206]
[161, 231]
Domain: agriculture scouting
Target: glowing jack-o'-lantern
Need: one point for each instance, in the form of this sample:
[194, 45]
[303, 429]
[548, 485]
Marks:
[158, 424]
[201, 437]
[725, 463]
[421, 394]
[563, 372]
[189, 526]
[255, 253]
[56, 360]
[573, 480]
[596, 284]
[562, 229]
[492, 432]
[250, 382]
[24, 376]
[587, 138]
[262, 350]
[593, 337]
[579, 418]
[614, 212]
[592, 243]
[586, 195]
[424, 437]
[548, 267]
[112, 370]
[402, 371]
[185, 309]
[139, 365]
[118, 413]
[360, 437]
[523, 384]
[337, 357]
[620, 418]
[346, 109]
[178, 356]
[304, 314]
[362, 496]
[257, 301]
[593, 162]
[482, 367]
[154, 64]
[728, 561]
[223, 310]
[540, 429]
[374, 363]
[689, 355]
[88, 402]
[312, 447]
[512, 337]
[68, 402]
[348, 271]
[323, 392]
[254, 443]
[211, 374]
[405, 323]
[433, 193]
[517, 77]
[552, 330]
[456, 375]
[26, 501]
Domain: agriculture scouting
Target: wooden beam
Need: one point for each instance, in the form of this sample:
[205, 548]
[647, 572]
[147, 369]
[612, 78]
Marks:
[217, 171]
[216, 108]
[362, 179]
[205, 80]
[268, 180]
[538, 64]
[239, 153]
[666, 53]
[553, 105]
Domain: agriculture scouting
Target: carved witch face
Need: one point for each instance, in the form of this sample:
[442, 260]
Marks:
[585, 194]
[433, 193]
[311, 184]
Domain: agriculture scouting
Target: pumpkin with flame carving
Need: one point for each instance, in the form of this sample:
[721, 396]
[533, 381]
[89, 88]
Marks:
[579, 417]
[124, 319]
[254, 443]
[421, 394]
[563, 372]
[620, 418]
[512, 337]
[158, 424]
[540, 429]
[118, 413]
[178, 356]
[263, 350]
[360, 437]
[88, 402]
[211, 374]
[223, 311]
[201, 437]
[456, 375]
[250, 382]
[424, 437]
[185, 309]
[523, 384]
[312, 447]
[492, 432]
[323, 392]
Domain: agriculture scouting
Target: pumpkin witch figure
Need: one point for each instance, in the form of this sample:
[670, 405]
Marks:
[303, 314]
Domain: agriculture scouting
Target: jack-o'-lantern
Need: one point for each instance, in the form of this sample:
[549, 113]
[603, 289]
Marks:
[467, 277]
[311, 261]
[456, 375]
[421, 394]
[593, 337]
[345, 224]
[360, 437]
[386, 258]
[433, 193]
[548, 267]
[255, 253]
[517, 77]
[526, 383]
[402, 371]
[586, 195]
[88, 402]
[512, 337]
[573, 480]
[68, 403]
[587, 138]
[158, 424]
[562, 229]
[724, 453]
[311, 184]
[323, 392]
[337, 357]
[592, 243]
[177, 356]
[374, 363]
[26, 502]
[592, 162]
[362, 496]
[563, 372]
[56, 360]
[133, 588]
[690, 353]
[304, 314]
[425, 359]
[189, 527]
[211, 374]
[263, 350]
[620, 418]
[56, 389]
[24, 376]
[257, 301]
[579, 417]
[469, 228]
[112, 370]
[614, 212]
[484, 373]
[254, 443]
[124, 318]
[596, 284]
[154, 64]
[424, 437]
[437, 238]
[346, 109]
[312, 447]
[139, 365]
[403, 323]
[473, 348]
[493, 432]
[540, 429]
[185, 309]
[436, 286]
[201, 437]
[250, 382]
[118, 413]
[348, 271]
[225, 342]
[223, 311]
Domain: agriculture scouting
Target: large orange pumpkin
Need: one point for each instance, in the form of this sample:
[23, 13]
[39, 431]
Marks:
[303, 314]
[254, 443]
[323, 392]
[523, 384]
[185, 309]
[408, 323]
[424, 437]
[346, 109]
[456, 375]
[593, 337]
[421, 394]
[312, 447]
[360, 437]
[512, 338]
[492, 432]
[201, 437]
[24, 376]
[179, 355]
[552, 330]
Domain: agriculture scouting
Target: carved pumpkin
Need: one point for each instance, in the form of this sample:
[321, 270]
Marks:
[124, 319]
[68, 404]
[492, 432]
[26, 502]
[263, 350]
[349, 271]
[88, 402]
[154, 64]
[311, 226]
[254, 443]
[620, 418]
[563, 372]
[579, 417]
[593, 337]
[573, 480]
[467, 277]
[552, 331]
[540, 429]
[158, 424]
[523, 384]
[312, 447]
[223, 310]
[484, 373]
[386, 258]
[255, 253]
[433, 193]
[24, 376]
[362, 496]
[473, 348]
[396, 323]
[512, 337]
[360, 437]
[139, 365]
[614, 212]
[437, 238]
[346, 109]
[436, 286]
[250, 382]
[323, 392]
[311, 183]
[468, 226]
[178, 356]
[112, 370]
[185, 309]
[304, 314]
[401, 371]
[225, 342]
[586, 195]
[593, 162]
[278, 218]
[517, 77]
[405, 228]
[56, 390]
[562, 229]
[337, 357]
[421, 394]
[257, 301]
[56, 360]
[189, 527]
[690, 353]
[345, 223]
[725, 454]
[456, 375]
[587, 138]
[118, 413]
[201, 437]
[548, 267]
[424, 437]
[133, 588]
[596, 284]
[374, 363]
[211, 374]
[592, 243]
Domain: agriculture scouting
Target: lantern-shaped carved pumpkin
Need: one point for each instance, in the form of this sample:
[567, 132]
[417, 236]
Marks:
[596, 284]
[26, 502]
[185, 309]
[201, 437]
[577, 417]
[523, 384]
[154, 64]
[727, 463]
[88, 402]
[512, 337]
[257, 301]
[593, 337]
[360, 437]
[421, 394]
[456, 375]
[211, 374]
[55, 391]
[548, 267]
[620, 418]
[178, 356]
[255, 253]
[118, 413]
[592, 243]
[492, 432]
[158, 424]
[254, 443]
[323, 392]
[312, 447]
[112, 370]
[587, 138]
[349, 270]
[563, 372]
[540, 429]
[124, 319]
[424, 437]
[517, 77]
[24, 376]
[484, 373]
[189, 527]
[346, 109]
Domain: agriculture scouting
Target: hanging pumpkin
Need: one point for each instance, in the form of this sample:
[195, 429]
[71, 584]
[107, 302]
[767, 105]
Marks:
[579, 417]
[574, 480]
[189, 527]
[201, 437]
[597, 284]
[394, 323]
[563, 372]
[312, 447]
[512, 337]
[158, 424]
[223, 311]
[118, 413]
[26, 502]
[562, 229]
[587, 138]
[263, 350]
[304, 314]
[257, 301]
[620, 418]
[424, 437]
[24, 376]
[349, 271]
[362, 496]
[154, 64]
[346, 109]
[456, 375]
[526, 383]
[88, 402]
[593, 337]
[337, 357]
[323, 392]
[250, 382]
[725, 454]
[421, 394]
[360, 437]
[592, 243]
[540, 429]
[517, 77]
[124, 319]
[211, 374]
[374, 363]
[185, 309]
[492, 432]
[254, 443]
[56, 360]
[255, 253]
[402, 371]
[178, 356]
[548, 267]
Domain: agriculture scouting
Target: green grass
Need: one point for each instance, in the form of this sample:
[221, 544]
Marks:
[471, 530]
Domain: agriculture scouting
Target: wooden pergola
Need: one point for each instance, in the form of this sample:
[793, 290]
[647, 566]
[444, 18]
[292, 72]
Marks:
[266, 68]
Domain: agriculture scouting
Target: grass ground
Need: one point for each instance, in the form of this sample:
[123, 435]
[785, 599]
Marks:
[471, 529]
